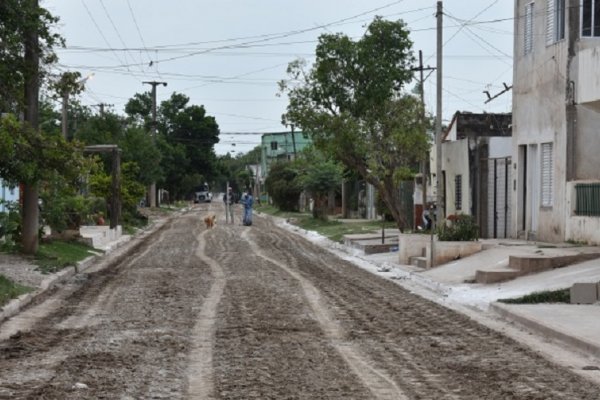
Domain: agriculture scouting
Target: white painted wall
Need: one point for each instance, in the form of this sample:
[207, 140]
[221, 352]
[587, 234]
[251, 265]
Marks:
[455, 161]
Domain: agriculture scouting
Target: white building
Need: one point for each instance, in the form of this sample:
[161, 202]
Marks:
[556, 120]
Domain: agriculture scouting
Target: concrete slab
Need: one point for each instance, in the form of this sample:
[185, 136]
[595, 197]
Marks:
[584, 293]
[576, 325]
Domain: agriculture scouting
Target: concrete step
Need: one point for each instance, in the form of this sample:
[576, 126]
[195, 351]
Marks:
[420, 262]
[529, 264]
[496, 275]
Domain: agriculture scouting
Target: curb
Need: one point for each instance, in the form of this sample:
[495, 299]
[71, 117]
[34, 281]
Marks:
[14, 306]
[580, 344]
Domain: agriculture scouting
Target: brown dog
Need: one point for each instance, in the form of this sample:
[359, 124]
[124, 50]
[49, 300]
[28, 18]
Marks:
[210, 221]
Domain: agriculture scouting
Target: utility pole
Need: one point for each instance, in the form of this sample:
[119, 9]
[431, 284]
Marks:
[293, 141]
[29, 239]
[425, 163]
[438, 130]
[101, 107]
[65, 113]
[152, 189]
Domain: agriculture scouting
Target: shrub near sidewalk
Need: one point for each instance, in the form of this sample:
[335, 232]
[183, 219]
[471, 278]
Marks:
[10, 290]
[458, 228]
[57, 254]
[549, 296]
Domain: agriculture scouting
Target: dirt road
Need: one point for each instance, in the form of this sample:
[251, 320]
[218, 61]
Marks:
[257, 313]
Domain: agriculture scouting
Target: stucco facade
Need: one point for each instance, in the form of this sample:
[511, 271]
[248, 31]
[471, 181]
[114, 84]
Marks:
[556, 120]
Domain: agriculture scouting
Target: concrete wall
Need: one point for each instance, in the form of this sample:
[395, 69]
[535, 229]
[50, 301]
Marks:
[499, 147]
[586, 143]
[580, 229]
[539, 116]
[455, 161]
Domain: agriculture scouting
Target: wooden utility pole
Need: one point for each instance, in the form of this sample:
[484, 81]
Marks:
[293, 141]
[438, 130]
[101, 107]
[152, 189]
[30, 238]
[425, 163]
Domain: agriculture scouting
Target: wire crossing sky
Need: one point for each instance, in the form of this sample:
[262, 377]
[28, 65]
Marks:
[229, 55]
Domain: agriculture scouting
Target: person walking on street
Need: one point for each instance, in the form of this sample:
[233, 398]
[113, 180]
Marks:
[229, 200]
[248, 201]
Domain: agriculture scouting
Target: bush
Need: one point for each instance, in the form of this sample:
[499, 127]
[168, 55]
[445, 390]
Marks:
[461, 228]
[549, 296]
[10, 226]
[283, 187]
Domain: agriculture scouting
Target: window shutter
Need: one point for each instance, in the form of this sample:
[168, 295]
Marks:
[547, 175]
[550, 22]
[528, 28]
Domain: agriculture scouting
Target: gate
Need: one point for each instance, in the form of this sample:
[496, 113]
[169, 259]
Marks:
[499, 198]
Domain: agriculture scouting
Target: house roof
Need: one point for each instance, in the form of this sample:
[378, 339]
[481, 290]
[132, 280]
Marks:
[470, 124]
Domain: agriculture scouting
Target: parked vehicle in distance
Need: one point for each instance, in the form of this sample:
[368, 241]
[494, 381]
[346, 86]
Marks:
[202, 194]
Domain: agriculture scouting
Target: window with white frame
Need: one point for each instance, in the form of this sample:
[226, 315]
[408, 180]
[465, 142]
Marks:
[555, 21]
[590, 18]
[528, 28]
[547, 175]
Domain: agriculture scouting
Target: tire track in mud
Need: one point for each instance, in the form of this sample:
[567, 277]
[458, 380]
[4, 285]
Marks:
[377, 381]
[92, 315]
[430, 351]
[413, 375]
[140, 350]
[200, 370]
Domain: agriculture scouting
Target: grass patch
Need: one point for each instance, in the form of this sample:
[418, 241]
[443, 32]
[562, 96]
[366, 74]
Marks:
[56, 255]
[276, 212]
[332, 228]
[10, 290]
[548, 296]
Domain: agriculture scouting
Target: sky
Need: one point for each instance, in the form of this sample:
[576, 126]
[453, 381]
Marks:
[229, 55]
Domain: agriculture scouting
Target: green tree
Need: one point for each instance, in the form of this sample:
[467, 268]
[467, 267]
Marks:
[319, 176]
[353, 102]
[26, 41]
[17, 17]
[283, 186]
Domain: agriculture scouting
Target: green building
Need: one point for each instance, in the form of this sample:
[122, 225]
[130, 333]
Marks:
[278, 146]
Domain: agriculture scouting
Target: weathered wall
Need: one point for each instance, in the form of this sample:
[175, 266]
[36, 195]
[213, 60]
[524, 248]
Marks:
[455, 161]
[539, 116]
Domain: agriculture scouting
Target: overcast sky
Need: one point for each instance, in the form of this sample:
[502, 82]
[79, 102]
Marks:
[228, 55]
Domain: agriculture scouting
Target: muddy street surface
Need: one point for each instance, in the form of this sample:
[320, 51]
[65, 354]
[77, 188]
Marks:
[257, 312]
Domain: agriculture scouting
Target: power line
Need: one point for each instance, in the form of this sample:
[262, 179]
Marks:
[290, 33]
[117, 31]
[100, 30]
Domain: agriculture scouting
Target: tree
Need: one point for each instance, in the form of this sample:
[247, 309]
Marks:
[353, 102]
[17, 18]
[185, 142]
[283, 186]
[27, 41]
[319, 176]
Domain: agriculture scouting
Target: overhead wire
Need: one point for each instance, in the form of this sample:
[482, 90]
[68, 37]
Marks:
[100, 31]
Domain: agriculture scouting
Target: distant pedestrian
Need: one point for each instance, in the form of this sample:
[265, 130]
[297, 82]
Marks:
[248, 201]
[229, 200]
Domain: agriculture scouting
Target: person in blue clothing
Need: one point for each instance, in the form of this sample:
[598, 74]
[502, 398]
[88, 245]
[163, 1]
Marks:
[247, 201]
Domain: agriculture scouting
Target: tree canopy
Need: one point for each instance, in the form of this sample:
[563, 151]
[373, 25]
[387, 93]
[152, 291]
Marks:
[355, 105]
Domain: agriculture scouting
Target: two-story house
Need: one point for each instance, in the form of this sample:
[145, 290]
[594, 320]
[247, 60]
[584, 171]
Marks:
[556, 120]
